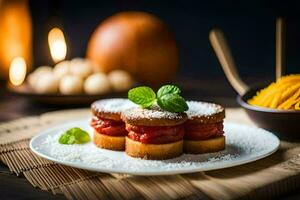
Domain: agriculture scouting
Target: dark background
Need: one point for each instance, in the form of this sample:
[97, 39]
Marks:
[248, 25]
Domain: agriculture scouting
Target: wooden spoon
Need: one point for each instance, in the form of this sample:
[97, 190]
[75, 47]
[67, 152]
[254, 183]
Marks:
[222, 50]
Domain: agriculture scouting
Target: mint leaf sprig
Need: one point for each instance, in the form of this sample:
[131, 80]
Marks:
[168, 89]
[74, 136]
[143, 96]
[167, 97]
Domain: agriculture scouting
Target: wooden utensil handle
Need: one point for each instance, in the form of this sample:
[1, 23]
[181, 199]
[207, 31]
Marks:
[280, 47]
[221, 48]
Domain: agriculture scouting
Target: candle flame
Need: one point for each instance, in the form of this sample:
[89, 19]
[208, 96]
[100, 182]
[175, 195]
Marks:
[57, 44]
[17, 71]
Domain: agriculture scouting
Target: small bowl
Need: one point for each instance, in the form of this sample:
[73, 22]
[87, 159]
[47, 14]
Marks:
[284, 123]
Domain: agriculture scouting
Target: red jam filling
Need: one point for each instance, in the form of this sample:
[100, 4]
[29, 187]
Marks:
[155, 134]
[109, 127]
[195, 131]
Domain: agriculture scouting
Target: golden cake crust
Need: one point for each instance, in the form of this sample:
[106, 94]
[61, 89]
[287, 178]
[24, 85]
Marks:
[204, 146]
[116, 143]
[153, 151]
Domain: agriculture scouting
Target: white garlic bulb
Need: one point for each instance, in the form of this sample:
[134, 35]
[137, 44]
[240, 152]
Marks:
[97, 83]
[81, 67]
[62, 69]
[70, 84]
[32, 78]
[43, 69]
[46, 83]
[120, 80]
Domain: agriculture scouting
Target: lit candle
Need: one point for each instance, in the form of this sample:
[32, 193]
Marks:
[57, 44]
[17, 71]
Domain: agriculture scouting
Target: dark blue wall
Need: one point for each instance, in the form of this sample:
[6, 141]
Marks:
[248, 25]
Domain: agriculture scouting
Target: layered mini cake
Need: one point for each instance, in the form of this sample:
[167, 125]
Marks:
[204, 128]
[109, 129]
[154, 133]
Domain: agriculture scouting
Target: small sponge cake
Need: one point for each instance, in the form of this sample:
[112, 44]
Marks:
[154, 134]
[204, 128]
[109, 129]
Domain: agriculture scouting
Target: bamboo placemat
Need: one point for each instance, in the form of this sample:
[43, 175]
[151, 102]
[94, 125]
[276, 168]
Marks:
[269, 177]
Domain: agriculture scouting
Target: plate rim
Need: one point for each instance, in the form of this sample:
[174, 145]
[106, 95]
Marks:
[152, 173]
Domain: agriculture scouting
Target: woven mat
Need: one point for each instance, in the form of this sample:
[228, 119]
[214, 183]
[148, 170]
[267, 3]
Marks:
[269, 177]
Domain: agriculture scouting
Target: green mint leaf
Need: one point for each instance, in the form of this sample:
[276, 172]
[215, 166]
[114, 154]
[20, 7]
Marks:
[172, 103]
[143, 96]
[74, 136]
[64, 139]
[168, 89]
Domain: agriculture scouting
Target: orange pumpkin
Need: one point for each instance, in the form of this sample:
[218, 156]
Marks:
[15, 34]
[137, 42]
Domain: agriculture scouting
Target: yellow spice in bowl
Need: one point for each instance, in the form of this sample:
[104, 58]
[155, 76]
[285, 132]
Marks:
[283, 94]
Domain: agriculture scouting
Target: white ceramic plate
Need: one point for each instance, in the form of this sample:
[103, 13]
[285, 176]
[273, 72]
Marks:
[244, 144]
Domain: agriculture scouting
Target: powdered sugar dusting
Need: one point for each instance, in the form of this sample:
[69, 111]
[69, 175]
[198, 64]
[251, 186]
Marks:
[243, 144]
[154, 113]
[116, 105]
[198, 108]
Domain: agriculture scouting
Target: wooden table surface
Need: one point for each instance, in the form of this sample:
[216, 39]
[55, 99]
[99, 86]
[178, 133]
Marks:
[14, 107]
